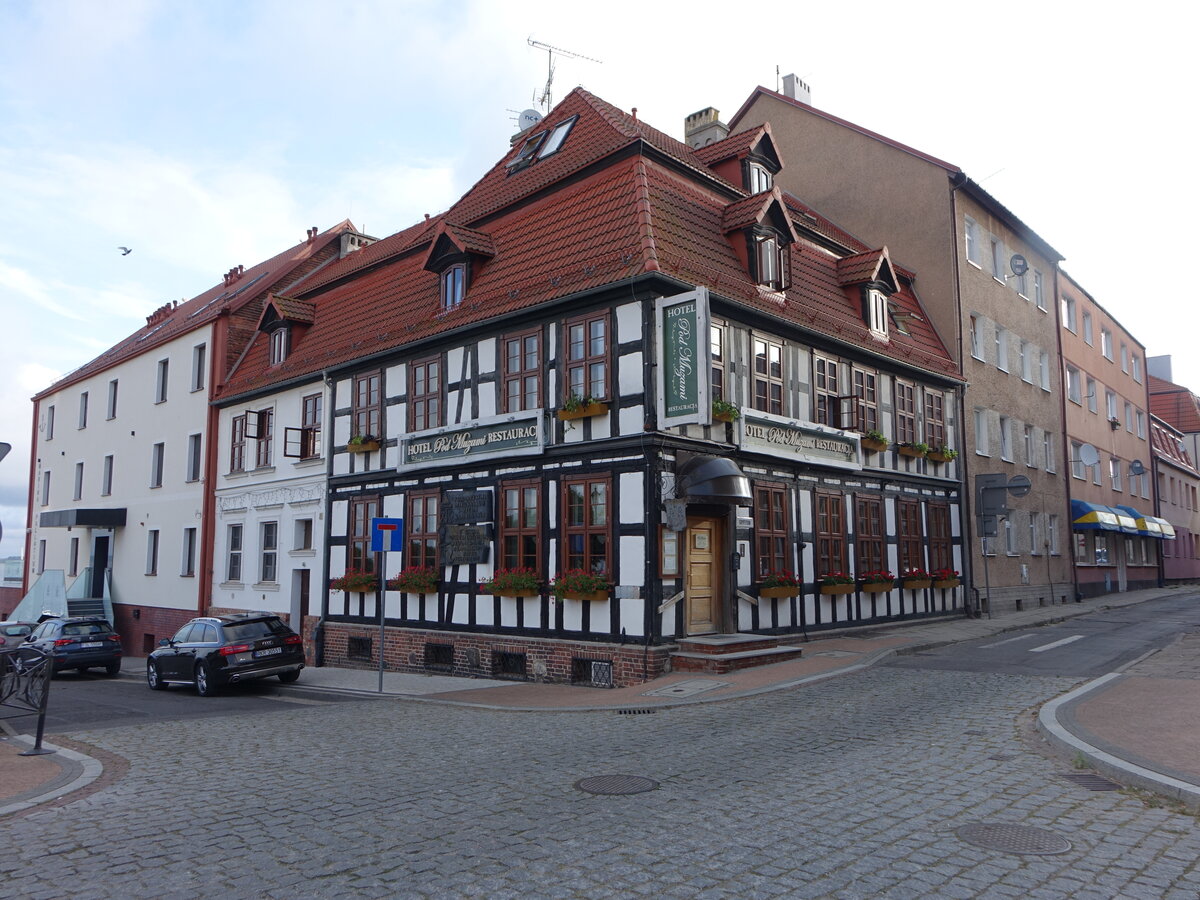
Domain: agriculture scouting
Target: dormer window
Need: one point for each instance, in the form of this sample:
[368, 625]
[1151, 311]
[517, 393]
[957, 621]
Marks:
[454, 286]
[758, 179]
[279, 345]
[771, 261]
[877, 313]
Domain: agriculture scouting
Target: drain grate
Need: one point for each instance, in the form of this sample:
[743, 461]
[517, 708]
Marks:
[616, 784]
[1091, 781]
[639, 711]
[1025, 840]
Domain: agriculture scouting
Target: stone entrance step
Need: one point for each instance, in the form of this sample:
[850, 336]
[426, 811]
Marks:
[719, 653]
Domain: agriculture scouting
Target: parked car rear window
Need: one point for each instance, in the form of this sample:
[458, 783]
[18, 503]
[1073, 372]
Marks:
[17, 630]
[245, 631]
[87, 628]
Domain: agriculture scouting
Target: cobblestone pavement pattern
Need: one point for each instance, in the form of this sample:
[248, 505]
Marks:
[851, 788]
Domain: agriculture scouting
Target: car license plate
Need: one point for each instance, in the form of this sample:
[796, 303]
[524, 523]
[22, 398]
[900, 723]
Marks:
[93, 644]
[270, 652]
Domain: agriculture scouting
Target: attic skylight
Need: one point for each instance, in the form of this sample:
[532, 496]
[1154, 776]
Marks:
[541, 145]
[557, 136]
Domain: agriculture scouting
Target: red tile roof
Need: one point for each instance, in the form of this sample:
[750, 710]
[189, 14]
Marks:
[1166, 443]
[1174, 404]
[600, 225]
[171, 321]
[752, 210]
[293, 310]
[732, 147]
[871, 265]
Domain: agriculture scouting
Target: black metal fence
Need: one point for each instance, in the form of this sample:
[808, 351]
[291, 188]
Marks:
[25, 674]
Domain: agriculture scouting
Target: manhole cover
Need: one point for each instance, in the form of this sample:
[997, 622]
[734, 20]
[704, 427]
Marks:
[686, 688]
[616, 784]
[1022, 839]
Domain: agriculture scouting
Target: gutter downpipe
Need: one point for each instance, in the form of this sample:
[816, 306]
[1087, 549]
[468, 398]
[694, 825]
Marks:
[33, 453]
[966, 498]
[326, 429]
[208, 504]
[1066, 444]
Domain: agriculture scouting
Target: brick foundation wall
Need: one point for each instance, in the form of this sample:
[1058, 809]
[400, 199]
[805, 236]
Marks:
[476, 655]
[141, 633]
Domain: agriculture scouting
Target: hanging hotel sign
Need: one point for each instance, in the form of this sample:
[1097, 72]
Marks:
[485, 438]
[763, 433]
[683, 352]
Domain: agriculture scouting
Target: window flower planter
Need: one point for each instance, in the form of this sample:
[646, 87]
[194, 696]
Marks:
[723, 417]
[910, 451]
[917, 584]
[585, 595]
[836, 590]
[877, 587]
[938, 457]
[945, 583]
[363, 447]
[873, 446]
[516, 592]
[583, 412]
[779, 591]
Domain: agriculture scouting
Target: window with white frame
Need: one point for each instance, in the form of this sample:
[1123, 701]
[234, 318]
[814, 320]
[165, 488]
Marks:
[1074, 394]
[1039, 292]
[1001, 349]
[156, 465]
[982, 443]
[1048, 450]
[1044, 370]
[1106, 343]
[971, 229]
[1035, 544]
[758, 178]
[1029, 445]
[78, 481]
[193, 458]
[187, 562]
[1137, 369]
[1010, 537]
[997, 260]
[1129, 417]
[279, 345]
[1124, 358]
[233, 554]
[976, 338]
[1052, 533]
[1087, 328]
[1096, 473]
[46, 488]
[1026, 362]
[83, 409]
[1114, 472]
[1140, 418]
[1091, 394]
[268, 552]
[1006, 438]
[50, 422]
[199, 371]
[152, 552]
[112, 399]
[302, 536]
[73, 557]
[878, 307]
[1110, 406]
[106, 477]
[1069, 313]
[160, 381]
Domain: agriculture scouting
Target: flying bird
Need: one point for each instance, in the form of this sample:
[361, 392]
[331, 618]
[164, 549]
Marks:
[125, 251]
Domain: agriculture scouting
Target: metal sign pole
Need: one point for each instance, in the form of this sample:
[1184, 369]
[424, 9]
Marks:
[379, 594]
[387, 536]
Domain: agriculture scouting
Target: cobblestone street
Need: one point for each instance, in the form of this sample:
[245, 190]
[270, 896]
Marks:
[848, 788]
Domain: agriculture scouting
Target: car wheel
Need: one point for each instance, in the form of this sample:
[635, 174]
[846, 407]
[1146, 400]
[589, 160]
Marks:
[289, 677]
[154, 677]
[113, 669]
[204, 683]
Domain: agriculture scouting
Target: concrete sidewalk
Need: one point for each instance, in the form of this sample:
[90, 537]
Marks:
[1133, 726]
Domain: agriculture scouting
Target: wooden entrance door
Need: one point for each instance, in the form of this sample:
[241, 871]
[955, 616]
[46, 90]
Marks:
[703, 570]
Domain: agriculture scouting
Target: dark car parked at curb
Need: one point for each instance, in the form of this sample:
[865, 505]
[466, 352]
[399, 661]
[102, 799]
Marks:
[81, 642]
[214, 651]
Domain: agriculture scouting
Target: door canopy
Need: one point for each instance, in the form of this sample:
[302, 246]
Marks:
[713, 479]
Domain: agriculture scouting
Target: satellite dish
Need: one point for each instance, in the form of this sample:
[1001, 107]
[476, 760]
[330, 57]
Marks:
[1018, 264]
[1137, 467]
[528, 118]
[1088, 455]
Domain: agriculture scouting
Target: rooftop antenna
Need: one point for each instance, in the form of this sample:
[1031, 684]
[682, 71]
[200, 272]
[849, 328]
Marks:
[546, 100]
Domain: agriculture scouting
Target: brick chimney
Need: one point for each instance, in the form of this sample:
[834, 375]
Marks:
[703, 128]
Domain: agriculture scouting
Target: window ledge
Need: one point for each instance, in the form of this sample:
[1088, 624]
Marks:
[971, 262]
[309, 463]
[231, 585]
[999, 281]
[265, 586]
[305, 552]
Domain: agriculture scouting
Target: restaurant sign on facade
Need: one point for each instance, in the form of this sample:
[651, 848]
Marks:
[496, 436]
[763, 433]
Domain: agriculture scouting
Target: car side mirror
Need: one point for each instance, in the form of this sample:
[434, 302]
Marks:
[165, 642]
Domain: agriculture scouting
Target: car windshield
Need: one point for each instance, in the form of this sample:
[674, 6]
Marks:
[86, 628]
[257, 628]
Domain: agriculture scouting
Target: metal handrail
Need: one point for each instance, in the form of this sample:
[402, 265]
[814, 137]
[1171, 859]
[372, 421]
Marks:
[25, 674]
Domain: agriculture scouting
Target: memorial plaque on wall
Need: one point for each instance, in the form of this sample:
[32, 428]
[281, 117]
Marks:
[464, 545]
[466, 507]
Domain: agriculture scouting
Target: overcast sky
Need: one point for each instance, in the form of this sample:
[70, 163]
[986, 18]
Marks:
[206, 135]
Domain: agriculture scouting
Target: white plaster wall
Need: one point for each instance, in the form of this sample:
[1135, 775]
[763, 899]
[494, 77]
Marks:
[139, 423]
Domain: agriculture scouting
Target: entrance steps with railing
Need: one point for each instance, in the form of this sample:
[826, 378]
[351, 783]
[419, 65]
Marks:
[716, 654]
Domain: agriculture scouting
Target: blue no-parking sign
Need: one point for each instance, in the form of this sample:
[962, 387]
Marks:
[387, 535]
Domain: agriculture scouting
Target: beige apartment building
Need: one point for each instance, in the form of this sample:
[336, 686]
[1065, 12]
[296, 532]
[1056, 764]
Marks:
[1115, 540]
[987, 281]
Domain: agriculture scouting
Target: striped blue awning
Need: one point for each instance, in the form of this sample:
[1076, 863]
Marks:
[1096, 517]
[1147, 526]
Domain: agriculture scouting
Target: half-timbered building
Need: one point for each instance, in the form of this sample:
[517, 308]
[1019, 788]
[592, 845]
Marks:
[621, 358]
